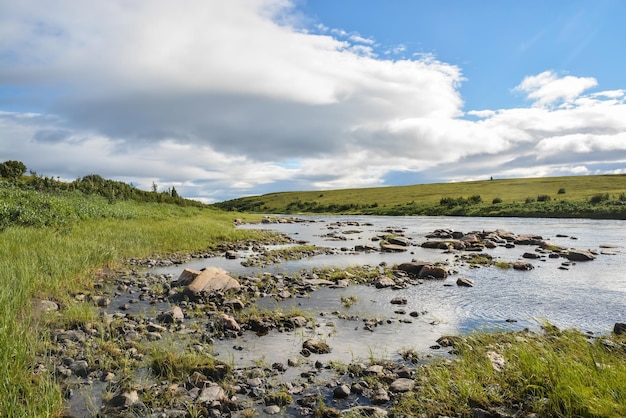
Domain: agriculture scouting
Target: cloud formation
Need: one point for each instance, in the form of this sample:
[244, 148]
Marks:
[223, 99]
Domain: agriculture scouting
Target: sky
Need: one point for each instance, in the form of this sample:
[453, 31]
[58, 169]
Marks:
[223, 99]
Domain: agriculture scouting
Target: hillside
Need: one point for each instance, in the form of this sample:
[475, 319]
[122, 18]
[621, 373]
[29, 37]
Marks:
[597, 196]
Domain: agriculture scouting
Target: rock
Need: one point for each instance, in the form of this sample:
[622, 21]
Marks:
[522, 265]
[374, 369]
[211, 394]
[399, 240]
[464, 282]
[528, 239]
[429, 271]
[227, 322]
[211, 280]
[580, 255]
[399, 300]
[80, 368]
[295, 322]
[402, 385]
[383, 281]
[124, 400]
[380, 396]
[413, 268]
[187, 277]
[531, 255]
[231, 255]
[272, 410]
[46, 306]
[497, 361]
[367, 411]
[389, 247]
[619, 328]
[341, 392]
[316, 347]
[173, 315]
[236, 304]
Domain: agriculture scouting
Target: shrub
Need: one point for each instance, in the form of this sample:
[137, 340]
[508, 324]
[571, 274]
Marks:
[543, 198]
[597, 198]
[529, 200]
[561, 191]
[496, 200]
[475, 199]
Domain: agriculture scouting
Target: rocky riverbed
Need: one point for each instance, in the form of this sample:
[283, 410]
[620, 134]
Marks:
[149, 348]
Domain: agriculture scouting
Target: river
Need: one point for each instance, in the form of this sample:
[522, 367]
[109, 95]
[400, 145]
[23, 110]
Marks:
[587, 295]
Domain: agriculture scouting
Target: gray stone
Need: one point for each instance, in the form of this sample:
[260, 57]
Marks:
[227, 322]
[429, 271]
[383, 281]
[464, 282]
[580, 255]
[173, 315]
[402, 385]
[367, 411]
[80, 368]
[619, 328]
[272, 410]
[211, 394]
[341, 392]
[209, 281]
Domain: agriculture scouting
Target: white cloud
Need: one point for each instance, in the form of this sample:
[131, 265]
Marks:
[548, 88]
[222, 99]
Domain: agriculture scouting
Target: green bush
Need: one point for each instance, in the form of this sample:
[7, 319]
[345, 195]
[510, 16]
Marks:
[496, 200]
[543, 198]
[561, 191]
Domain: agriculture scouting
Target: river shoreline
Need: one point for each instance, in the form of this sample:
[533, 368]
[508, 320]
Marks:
[99, 363]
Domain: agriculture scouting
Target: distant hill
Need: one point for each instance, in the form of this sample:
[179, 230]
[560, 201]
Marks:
[595, 196]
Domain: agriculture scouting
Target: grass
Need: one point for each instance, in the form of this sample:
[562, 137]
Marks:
[61, 259]
[553, 374]
[601, 196]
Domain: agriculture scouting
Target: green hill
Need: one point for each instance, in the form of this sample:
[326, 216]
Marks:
[597, 196]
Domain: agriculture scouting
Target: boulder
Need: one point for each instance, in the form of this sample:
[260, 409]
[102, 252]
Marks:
[211, 394]
[341, 392]
[315, 346]
[580, 255]
[228, 322]
[619, 328]
[522, 265]
[173, 315]
[211, 280]
[435, 272]
[402, 385]
[399, 240]
[187, 277]
[412, 268]
[464, 282]
[383, 281]
[389, 247]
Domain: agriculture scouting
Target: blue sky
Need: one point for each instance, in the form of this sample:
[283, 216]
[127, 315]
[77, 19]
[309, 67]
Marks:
[226, 99]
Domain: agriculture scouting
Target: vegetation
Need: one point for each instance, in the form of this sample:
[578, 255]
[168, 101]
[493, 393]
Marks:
[602, 196]
[53, 241]
[552, 374]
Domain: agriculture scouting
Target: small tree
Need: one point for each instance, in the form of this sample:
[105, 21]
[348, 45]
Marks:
[12, 169]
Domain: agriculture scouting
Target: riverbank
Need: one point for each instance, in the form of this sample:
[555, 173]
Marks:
[124, 359]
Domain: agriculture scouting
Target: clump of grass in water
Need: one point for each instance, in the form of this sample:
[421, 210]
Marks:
[553, 373]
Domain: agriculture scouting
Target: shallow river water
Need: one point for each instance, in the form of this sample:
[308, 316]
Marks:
[589, 296]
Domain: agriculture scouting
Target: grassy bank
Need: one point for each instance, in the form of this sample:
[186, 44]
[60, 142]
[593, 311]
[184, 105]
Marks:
[55, 261]
[551, 374]
[572, 196]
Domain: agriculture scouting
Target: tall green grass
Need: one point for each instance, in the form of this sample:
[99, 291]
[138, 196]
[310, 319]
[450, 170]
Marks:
[53, 262]
[554, 374]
